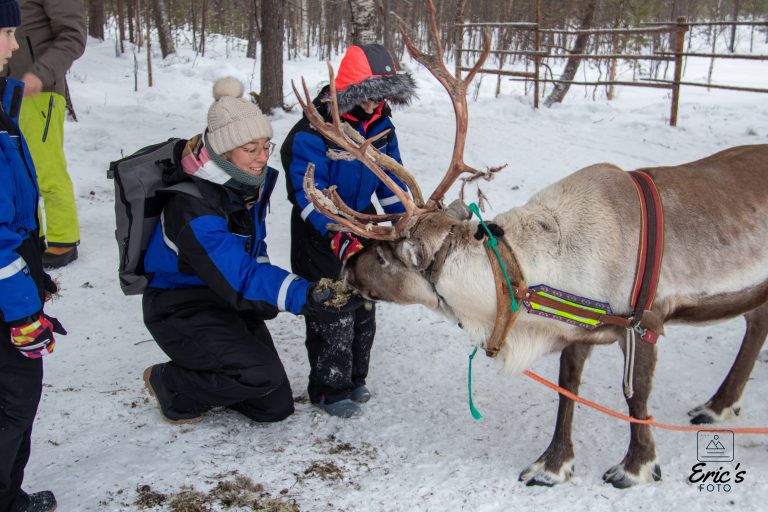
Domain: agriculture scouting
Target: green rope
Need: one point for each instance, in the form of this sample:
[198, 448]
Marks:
[475, 413]
[492, 243]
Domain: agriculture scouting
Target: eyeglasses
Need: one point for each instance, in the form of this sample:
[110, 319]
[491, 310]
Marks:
[268, 148]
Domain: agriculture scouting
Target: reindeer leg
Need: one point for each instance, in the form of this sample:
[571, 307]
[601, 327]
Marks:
[639, 465]
[724, 404]
[556, 463]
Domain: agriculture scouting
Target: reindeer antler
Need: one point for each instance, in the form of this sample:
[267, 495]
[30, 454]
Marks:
[457, 90]
[357, 147]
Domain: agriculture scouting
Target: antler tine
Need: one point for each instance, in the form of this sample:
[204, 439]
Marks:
[457, 90]
[340, 212]
[388, 162]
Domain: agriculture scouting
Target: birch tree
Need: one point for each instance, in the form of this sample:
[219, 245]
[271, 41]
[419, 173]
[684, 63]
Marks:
[363, 21]
[572, 66]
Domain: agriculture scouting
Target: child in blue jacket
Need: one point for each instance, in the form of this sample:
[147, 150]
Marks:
[26, 333]
[339, 344]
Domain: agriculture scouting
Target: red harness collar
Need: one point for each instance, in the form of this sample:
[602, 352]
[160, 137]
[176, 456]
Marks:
[649, 252]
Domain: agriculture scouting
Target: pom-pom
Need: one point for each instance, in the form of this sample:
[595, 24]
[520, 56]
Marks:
[228, 86]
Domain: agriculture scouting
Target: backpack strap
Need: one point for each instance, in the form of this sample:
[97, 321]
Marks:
[185, 187]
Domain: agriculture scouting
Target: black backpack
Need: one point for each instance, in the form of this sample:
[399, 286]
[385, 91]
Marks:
[138, 204]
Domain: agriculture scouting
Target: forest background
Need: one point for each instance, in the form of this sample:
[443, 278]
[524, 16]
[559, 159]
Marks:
[278, 29]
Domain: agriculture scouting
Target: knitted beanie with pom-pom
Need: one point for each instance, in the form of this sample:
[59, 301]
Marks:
[232, 120]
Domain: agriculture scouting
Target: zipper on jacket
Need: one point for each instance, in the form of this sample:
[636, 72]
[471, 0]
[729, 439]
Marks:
[48, 118]
[31, 50]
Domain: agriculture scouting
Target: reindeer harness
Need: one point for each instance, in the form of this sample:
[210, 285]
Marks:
[549, 302]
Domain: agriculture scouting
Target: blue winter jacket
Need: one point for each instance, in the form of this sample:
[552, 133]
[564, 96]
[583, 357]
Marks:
[355, 183]
[216, 241]
[21, 273]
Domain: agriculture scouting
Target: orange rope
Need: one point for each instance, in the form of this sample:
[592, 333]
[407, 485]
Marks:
[649, 421]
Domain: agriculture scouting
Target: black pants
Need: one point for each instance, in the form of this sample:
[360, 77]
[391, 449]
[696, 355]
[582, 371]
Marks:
[21, 384]
[339, 350]
[338, 346]
[219, 356]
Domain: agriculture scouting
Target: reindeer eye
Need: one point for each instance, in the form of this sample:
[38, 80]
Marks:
[380, 257]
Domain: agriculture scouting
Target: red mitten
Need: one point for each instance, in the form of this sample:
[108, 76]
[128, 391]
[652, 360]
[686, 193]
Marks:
[34, 336]
[344, 245]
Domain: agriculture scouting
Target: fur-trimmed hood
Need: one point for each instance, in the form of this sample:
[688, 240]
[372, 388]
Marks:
[369, 72]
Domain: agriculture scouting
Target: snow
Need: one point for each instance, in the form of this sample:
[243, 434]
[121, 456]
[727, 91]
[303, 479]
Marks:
[98, 436]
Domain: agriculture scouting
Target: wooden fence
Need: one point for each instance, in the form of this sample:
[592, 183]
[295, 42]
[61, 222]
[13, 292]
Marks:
[677, 30]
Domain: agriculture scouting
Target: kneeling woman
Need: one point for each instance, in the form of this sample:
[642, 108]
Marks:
[212, 283]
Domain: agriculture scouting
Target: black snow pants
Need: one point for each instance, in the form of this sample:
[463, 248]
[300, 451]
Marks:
[219, 356]
[338, 345]
[21, 384]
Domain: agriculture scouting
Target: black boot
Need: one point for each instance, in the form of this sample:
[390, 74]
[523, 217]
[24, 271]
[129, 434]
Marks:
[57, 257]
[43, 501]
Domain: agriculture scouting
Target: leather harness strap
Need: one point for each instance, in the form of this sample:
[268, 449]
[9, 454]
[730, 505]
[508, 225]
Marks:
[649, 252]
[505, 317]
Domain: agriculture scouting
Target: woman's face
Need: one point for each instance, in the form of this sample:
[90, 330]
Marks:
[8, 44]
[251, 157]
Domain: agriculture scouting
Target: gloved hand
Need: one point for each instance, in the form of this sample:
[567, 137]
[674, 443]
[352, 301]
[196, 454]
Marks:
[344, 245]
[324, 299]
[50, 286]
[33, 336]
[495, 229]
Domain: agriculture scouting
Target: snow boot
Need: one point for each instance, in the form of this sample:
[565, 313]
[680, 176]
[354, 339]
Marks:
[360, 394]
[57, 257]
[342, 409]
[154, 383]
[43, 501]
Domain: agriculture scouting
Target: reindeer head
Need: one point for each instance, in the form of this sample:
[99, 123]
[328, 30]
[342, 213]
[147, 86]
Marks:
[405, 270]
[398, 265]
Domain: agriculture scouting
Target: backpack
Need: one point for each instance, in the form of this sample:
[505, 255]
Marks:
[138, 203]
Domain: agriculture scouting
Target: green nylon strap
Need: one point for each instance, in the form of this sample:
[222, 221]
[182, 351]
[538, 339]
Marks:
[475, 413]
[492, 243]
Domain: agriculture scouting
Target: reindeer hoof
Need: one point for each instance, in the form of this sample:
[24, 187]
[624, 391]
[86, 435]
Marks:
[705, 414]
[537, 474]
[620, 478]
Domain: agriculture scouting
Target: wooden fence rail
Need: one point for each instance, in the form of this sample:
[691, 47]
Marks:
[677, 29]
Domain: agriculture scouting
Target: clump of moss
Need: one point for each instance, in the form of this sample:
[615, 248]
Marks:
[147, 498]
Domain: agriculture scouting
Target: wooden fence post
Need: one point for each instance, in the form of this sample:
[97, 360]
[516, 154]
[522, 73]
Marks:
[679, 48]
[537, 58]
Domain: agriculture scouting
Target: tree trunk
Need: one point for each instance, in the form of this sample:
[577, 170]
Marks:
[254, 31]
[96, 19]
[121, 24]
[572, 66]
[163, 27]
[131, 13]
[271, 94]
[203, 21]
[363, 21]
[735, 16]
[457, 35]
[386, 26]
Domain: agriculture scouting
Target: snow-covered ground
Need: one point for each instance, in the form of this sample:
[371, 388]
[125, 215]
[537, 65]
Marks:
[98, 437]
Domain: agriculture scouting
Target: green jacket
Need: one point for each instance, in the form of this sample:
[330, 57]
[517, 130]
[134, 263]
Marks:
[51, 36]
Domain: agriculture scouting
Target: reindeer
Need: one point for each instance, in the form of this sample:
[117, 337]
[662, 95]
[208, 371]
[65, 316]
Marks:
[579, 235]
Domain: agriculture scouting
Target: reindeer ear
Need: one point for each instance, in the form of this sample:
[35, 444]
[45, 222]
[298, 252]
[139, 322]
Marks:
[412, 253]
[458, 210]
